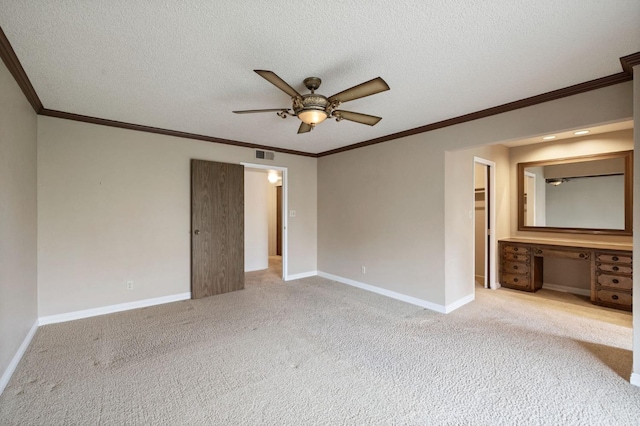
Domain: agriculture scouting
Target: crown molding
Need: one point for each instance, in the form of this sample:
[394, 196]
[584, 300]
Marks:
[13, 64]
[149, 129]
[630, 61]
[15, 68]
[511, 106]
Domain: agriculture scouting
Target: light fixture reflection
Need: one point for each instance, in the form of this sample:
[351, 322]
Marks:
[581, 132]
[548, 138]
[557, 181]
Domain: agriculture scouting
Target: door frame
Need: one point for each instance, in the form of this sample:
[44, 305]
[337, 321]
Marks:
[285, 203]
[490, 223]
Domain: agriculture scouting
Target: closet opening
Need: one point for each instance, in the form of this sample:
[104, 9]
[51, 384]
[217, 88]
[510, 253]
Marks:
[484, 222]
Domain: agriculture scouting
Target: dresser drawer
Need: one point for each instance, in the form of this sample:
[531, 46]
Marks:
[613, 258]
[518, 257]
[565, 254]
[614, 297]
[615, 281]
[515, 249]
[618, 269]
[516, 267]
[516, 280]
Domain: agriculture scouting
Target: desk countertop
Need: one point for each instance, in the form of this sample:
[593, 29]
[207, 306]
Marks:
[564, 243]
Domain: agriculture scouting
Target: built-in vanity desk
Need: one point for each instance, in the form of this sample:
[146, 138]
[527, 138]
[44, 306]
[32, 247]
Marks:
[522, 264]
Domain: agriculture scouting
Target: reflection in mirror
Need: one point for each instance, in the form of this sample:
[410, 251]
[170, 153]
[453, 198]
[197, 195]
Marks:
[588, 194]
[564, 194]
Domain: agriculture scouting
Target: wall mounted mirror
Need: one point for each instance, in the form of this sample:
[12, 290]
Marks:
[583, 195]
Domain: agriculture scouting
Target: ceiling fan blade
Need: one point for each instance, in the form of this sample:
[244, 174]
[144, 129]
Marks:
[304, 128]
[367, 88]
[252, 111]
[370, 120]
[272, 78]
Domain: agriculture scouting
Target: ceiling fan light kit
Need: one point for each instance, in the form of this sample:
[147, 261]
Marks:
[313, 108]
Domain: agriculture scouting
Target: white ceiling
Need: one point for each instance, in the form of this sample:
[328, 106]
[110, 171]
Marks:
[185, 65]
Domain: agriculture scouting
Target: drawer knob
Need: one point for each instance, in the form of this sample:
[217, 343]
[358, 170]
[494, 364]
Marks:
[515, 256]
[615, 268]
[614, 297]
[615, 258]
[582, 255]
[515, 249]
[515, 267]
[515, 280]
[615, 281]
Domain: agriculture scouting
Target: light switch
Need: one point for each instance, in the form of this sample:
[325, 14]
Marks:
[292, 213]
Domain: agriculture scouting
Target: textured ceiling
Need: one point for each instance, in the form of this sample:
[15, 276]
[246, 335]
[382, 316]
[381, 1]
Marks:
[185, 65]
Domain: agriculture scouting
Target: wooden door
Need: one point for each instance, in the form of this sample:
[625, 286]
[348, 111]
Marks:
[279, 220]
[217, 228]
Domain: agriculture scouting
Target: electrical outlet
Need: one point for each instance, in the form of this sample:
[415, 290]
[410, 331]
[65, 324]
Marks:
[364, 269]
[129, 285]
[292, 213]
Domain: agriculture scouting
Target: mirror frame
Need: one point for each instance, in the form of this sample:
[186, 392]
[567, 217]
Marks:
[628, 194]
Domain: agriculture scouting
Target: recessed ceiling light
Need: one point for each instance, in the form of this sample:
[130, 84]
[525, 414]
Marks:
[581, 132]
[548, 138]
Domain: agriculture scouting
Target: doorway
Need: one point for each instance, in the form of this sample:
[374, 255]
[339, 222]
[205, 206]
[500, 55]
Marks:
[275, 225]
[275, 222]
[484, 223]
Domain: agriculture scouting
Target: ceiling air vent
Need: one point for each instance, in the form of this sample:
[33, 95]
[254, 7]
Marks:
[265, 155]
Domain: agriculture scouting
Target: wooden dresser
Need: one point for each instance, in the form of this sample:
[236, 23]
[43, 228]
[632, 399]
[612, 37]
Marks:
[522, 265]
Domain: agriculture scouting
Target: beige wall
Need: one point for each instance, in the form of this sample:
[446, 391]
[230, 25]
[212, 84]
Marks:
[384, 206]
[18, 228]
[114, 205]
[256, 220]
[376, 209]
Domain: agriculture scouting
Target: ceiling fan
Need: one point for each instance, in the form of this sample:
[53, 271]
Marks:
[313, 108]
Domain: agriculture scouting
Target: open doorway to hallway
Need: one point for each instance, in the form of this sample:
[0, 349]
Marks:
[265, 227]
[275, 221]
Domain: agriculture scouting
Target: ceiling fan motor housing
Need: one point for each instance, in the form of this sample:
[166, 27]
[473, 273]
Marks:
[312, 83]
[310, 101]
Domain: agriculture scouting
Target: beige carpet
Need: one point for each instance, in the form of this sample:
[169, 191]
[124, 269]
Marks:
[317, 352]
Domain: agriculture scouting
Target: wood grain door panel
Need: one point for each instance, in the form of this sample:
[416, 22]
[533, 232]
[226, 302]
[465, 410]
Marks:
[217, 225]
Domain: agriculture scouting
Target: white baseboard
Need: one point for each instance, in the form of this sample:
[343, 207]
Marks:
[566, 289]
[399, 296]
[461, 302]
[6, 376]
[635, 379]
[70, 316]
[301, 275]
